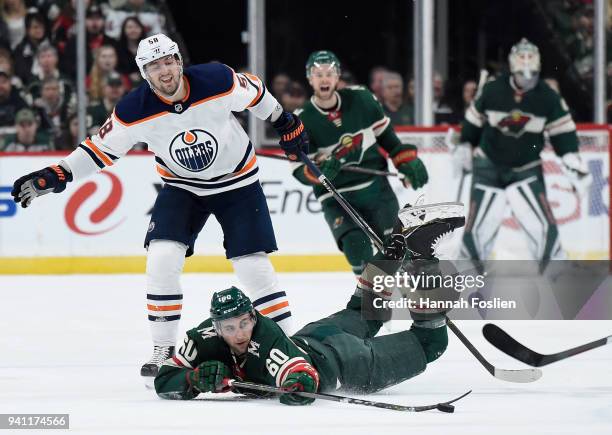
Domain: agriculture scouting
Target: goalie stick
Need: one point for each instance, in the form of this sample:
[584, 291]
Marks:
[442, 406]
[504, 342]
[519, 376]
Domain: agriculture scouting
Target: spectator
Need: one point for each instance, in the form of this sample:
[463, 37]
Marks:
[98, 113]
[13, 14]
[468, 94]
[294, 97]
[346, 79]
[376, 80]
[132, 32]
[280, 82]
[104, 64]
[48, 60]
[27, 138]
[393, 100]
[6, 64]
[10, 103]
[69, 138]
[94, 27]
[52, 107]
[147, 13]
[5, 38]
[25, 52]
[63, 25]
[443, 113]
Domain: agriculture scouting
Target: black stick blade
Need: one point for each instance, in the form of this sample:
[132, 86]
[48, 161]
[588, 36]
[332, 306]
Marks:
[504, 342]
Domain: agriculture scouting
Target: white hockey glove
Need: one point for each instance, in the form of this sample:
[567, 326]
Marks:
[578, 173]
[462, 158]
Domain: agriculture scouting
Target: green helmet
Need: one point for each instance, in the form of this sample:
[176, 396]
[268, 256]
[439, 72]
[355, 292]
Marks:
[322, 57]
[229, 303]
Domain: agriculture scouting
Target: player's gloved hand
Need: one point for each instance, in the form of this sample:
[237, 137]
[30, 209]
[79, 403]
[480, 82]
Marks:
[293, 136]
[405, 159]
[415, 172]
[47, 180]
[330, 167]
[298, 381]
[210, 376]
[578, 173]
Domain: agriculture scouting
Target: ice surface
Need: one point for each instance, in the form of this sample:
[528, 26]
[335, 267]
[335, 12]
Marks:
[74, 344]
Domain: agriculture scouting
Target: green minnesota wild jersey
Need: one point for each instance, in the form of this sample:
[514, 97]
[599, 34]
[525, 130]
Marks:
[509, 126]
[271, 356]
[358, 120]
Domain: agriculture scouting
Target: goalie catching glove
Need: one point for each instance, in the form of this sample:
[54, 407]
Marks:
[210, 376]
[35, 184]
[577, 171]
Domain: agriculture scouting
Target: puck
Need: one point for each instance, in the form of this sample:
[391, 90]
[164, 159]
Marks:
[444, 407]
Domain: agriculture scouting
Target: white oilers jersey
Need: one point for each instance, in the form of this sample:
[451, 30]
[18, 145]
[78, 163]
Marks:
[198, 143]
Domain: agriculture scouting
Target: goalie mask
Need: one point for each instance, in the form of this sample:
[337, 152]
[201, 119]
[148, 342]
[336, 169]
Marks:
[156, 47]
[524, 60]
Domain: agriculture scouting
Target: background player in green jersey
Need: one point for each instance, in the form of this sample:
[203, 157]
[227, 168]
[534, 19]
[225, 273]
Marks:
[346, 127]
[339, 351]
[502, 136]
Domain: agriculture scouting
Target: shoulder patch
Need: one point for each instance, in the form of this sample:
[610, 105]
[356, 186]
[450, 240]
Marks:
[209, 79]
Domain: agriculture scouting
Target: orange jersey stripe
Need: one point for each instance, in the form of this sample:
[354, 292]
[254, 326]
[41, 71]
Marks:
[95, 149]
[273, 308]
[248, 166]
[127, 124]
[164, 308]
[213, 97]
[161, 171]
[259, 92]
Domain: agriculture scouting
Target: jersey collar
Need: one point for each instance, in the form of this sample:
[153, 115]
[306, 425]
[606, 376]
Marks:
[325, 112]
[183, 100]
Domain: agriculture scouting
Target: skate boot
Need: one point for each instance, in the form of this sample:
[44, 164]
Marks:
[150, 369]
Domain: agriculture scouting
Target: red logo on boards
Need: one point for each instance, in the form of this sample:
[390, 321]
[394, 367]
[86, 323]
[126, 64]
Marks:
[99, 214]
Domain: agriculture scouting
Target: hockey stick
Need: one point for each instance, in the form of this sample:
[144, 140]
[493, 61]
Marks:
[343, 202]
[519, 376]
[442, 406]
[504, 342]
[356, 169]
[527, 375]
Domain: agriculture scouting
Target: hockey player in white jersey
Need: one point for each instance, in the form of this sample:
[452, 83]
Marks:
[208, 166]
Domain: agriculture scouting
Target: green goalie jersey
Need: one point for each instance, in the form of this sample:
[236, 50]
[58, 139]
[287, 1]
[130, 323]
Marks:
[509, 126]
[270, 357]
[358, 120]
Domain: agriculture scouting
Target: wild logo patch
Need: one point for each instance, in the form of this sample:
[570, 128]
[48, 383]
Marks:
[348, 143]
[194, 150]
[514, 123]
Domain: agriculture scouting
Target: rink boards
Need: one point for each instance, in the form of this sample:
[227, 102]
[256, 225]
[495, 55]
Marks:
[99, 224]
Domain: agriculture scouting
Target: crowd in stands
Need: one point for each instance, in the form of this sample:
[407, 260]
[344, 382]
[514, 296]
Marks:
[38, 50]
[390, 89]
[38, 68]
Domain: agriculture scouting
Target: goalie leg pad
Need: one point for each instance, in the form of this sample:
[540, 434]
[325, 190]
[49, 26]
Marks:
[165, 260]
[256, 274]
[531, 209]
[487, 207]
